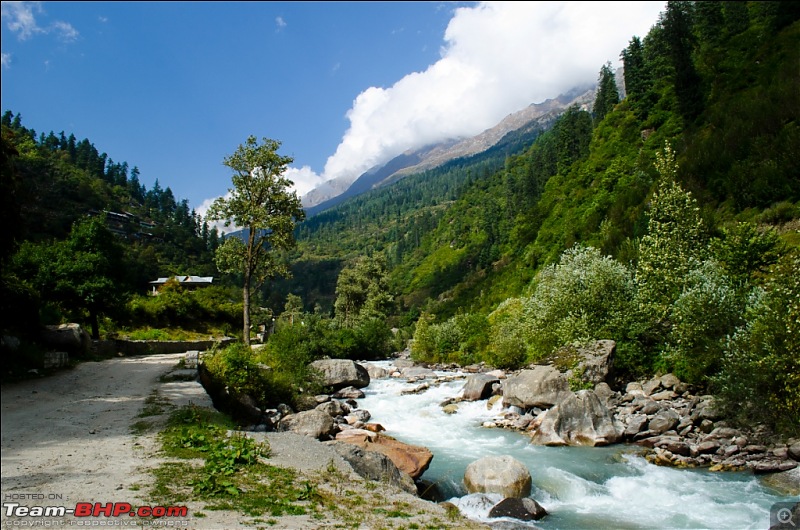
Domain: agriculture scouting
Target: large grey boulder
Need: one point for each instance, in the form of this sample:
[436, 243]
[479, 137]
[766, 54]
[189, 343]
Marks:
[68, 337]
[478, 386]
[374, 465]
[498, 474]
[376, 372]
[594, 361]
[341, 373]
[314, 423]
[579, 419]
[542, 387]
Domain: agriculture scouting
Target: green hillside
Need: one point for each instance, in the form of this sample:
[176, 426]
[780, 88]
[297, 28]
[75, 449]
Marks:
[669, 258]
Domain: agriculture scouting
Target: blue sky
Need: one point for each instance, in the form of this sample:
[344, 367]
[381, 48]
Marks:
[174, 87]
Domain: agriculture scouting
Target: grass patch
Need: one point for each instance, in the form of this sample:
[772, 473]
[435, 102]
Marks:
[154, 405]
[226, 471]
[231, 472]
[141, 427]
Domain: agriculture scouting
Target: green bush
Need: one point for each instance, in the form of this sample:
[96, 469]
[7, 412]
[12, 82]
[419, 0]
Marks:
[704, 315]
[507, 345]
[586, 296]
[760, 377]
[194, 310]
[268, 378]
[460, 339]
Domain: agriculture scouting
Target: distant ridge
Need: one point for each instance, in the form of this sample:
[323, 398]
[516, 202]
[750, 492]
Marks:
[533, 117]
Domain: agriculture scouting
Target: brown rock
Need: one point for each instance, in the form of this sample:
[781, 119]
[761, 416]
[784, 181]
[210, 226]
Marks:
[411, 459]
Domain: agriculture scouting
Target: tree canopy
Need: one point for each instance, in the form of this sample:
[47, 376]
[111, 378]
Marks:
[262, 204]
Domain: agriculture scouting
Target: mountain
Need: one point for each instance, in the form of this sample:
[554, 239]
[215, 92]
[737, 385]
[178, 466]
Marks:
[534, 116]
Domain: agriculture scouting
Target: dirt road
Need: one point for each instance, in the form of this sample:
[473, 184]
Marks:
[67, 439]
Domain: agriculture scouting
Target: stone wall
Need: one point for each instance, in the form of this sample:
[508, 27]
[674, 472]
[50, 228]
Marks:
[151, 347]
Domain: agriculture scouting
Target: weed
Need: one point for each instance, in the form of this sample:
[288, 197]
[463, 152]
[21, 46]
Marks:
[141, 427]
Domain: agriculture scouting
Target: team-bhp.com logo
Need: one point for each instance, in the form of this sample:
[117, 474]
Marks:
[96, 509]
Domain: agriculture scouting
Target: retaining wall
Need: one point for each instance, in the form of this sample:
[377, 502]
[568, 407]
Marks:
[151, 347]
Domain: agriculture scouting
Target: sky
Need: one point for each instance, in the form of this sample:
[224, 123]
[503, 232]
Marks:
[174, 87]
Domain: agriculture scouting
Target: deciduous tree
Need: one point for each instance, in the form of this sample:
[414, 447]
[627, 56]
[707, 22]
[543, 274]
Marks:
[262, 203]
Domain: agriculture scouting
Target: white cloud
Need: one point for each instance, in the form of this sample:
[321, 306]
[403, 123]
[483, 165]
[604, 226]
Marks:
[20, 18]
[65, 31]
[202, 211]
[6, 58]
[280, 23]
[496, 59]
[304, 179]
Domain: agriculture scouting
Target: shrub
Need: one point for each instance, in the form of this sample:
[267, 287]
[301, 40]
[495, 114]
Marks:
[507, 346]
[268, 378]
[706, 313]
[760, 377]
[584, 297]
[459, 339]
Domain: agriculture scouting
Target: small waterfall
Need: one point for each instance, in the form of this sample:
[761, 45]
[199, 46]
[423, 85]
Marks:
[581, 487]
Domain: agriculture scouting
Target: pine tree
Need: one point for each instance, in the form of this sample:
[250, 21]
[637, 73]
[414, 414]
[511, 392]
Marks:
[607, 93]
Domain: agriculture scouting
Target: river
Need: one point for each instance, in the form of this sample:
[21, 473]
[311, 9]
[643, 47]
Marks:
[581, 487]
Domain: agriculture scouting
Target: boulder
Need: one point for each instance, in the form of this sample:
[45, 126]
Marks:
[503, 475]
[785, 516]
[417, 372]
[786, 483]
[578, 419]
[374, 465]
[669, 381]
[349, 392]
[478, 386]
[341, 373]
[411, 459]
[794, 451]
[542, 387]
[314, 423]
[595, 361]
[71, 338]
[525, 509]
[334, 408]
[376, 372]
[663, 421]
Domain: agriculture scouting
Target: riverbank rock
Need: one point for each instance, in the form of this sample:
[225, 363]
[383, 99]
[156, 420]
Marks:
[525, 509]
[314, 423]
[411, 459]
[541, 387]
[503, 474]
[341, 373]
[478, 386]
[374, 465]
[785, 482]
[593, 361]
[578, 419]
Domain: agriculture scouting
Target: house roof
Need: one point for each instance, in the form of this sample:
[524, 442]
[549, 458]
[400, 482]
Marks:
[202, 280]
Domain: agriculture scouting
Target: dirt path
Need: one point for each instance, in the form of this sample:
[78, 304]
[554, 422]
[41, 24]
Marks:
[67, 439]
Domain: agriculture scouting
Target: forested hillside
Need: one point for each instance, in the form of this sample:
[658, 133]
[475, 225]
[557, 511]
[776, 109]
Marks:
[667, 221]
[83, 236]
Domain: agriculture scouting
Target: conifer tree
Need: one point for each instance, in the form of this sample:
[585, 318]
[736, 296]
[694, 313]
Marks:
[607, 93]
